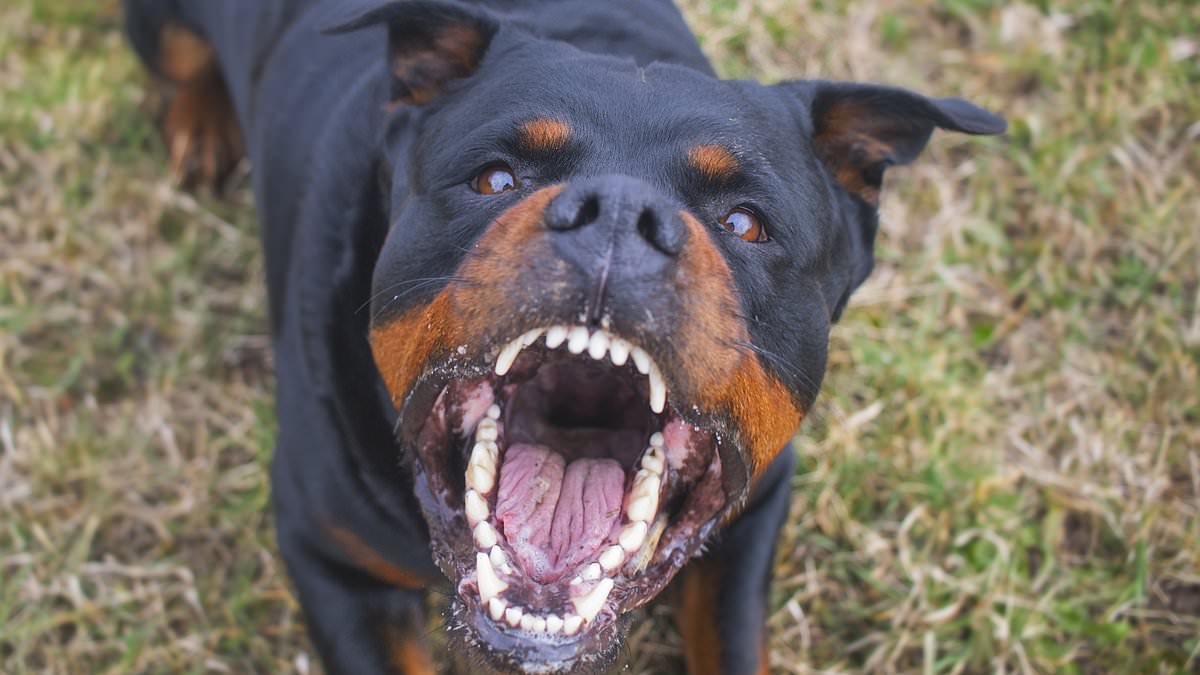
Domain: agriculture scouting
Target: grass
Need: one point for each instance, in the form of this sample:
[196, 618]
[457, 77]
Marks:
[1002, 475]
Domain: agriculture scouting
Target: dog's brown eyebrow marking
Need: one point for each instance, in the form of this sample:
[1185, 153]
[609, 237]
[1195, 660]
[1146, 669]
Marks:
[713, 161]
[545, 134]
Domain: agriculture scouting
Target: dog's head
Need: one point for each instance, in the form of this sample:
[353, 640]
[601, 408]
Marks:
[604, 303]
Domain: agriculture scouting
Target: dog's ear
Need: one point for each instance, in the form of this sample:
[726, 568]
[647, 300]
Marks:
[430, 43]
[861, 129]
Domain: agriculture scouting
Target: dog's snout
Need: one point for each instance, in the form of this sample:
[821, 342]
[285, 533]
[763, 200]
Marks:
[619, 208]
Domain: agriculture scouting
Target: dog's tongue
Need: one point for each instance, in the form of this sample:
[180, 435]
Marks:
[554, 516]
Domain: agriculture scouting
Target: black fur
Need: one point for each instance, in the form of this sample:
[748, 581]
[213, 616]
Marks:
[336, 163]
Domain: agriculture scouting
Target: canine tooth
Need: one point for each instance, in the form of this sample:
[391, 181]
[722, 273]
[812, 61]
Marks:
[556, 336]
[527, 622]
[618, 351]
[656, 438]
[493, 411]
[485, 536]
[507, 356]
[577, 340]
[498, 557]
[590, 605]
[642, 508]
[513, 616]
[572, 623]
[612, 557]
[592, 572]
[476, 507]
[496, 607]
[598, 345]
[577, 580]
[641, 359]
[531, 337]
[633, 535]
[658, 390]
[554, 624]
[490, 585]
[487, 430]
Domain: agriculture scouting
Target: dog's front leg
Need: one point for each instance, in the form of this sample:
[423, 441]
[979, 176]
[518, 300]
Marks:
[723, 607]
[360, 624]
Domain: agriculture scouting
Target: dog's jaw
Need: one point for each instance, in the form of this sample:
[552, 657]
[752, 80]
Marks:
[625, 508]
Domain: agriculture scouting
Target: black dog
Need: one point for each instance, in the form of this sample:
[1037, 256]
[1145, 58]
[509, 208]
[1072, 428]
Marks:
[600, 286]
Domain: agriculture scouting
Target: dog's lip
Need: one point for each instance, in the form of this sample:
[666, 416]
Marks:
[538, 656]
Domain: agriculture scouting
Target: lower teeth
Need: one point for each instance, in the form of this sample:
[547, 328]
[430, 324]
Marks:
[636, 542]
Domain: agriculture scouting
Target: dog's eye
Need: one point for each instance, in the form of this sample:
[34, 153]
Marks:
[495, 179]
[744, 223]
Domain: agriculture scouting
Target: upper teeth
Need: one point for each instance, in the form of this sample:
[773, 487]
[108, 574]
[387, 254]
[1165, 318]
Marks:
[597, 344]
[577, 340]
[481, 468]
[658, 389]
[641, 360]
[555, 335]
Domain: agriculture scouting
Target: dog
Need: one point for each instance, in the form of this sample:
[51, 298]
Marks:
[548, 301]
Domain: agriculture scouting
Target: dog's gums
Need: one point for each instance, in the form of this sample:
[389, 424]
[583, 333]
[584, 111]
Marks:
[563, 490]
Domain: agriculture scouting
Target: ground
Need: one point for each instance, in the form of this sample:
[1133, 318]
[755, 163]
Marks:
[1002, 473]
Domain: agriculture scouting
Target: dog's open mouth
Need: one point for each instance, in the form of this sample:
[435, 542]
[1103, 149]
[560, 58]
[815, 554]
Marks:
[563, 489]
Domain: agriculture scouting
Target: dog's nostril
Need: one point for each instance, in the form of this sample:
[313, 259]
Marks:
[588, 212]
[648, 225]
[665, 235]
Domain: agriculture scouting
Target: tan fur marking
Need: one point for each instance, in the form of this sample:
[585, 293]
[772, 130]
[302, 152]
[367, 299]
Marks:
[200, 127]
[462, 45]
[371, 561]
[722, 375]
[452, 54]
[713, 161]
[407, 652]
[697, 618]
[184, 55]
[463, 312]
[545, 134]
[847, 146]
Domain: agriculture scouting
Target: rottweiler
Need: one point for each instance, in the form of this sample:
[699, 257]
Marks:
[548, 301]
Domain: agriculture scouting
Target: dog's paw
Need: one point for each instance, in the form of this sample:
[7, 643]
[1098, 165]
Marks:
[201, 132]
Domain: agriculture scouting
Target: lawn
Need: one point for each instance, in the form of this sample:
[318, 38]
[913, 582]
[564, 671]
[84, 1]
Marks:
[1002, 473]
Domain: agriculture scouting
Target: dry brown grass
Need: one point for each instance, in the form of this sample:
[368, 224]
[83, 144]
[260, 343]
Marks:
[1003, 475]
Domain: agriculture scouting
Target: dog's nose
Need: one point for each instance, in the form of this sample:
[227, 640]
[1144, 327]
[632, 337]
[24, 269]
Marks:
[616, 211]
[624, 240]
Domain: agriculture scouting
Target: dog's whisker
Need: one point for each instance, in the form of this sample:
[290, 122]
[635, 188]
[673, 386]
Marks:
[414, 285]
[779, 362]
